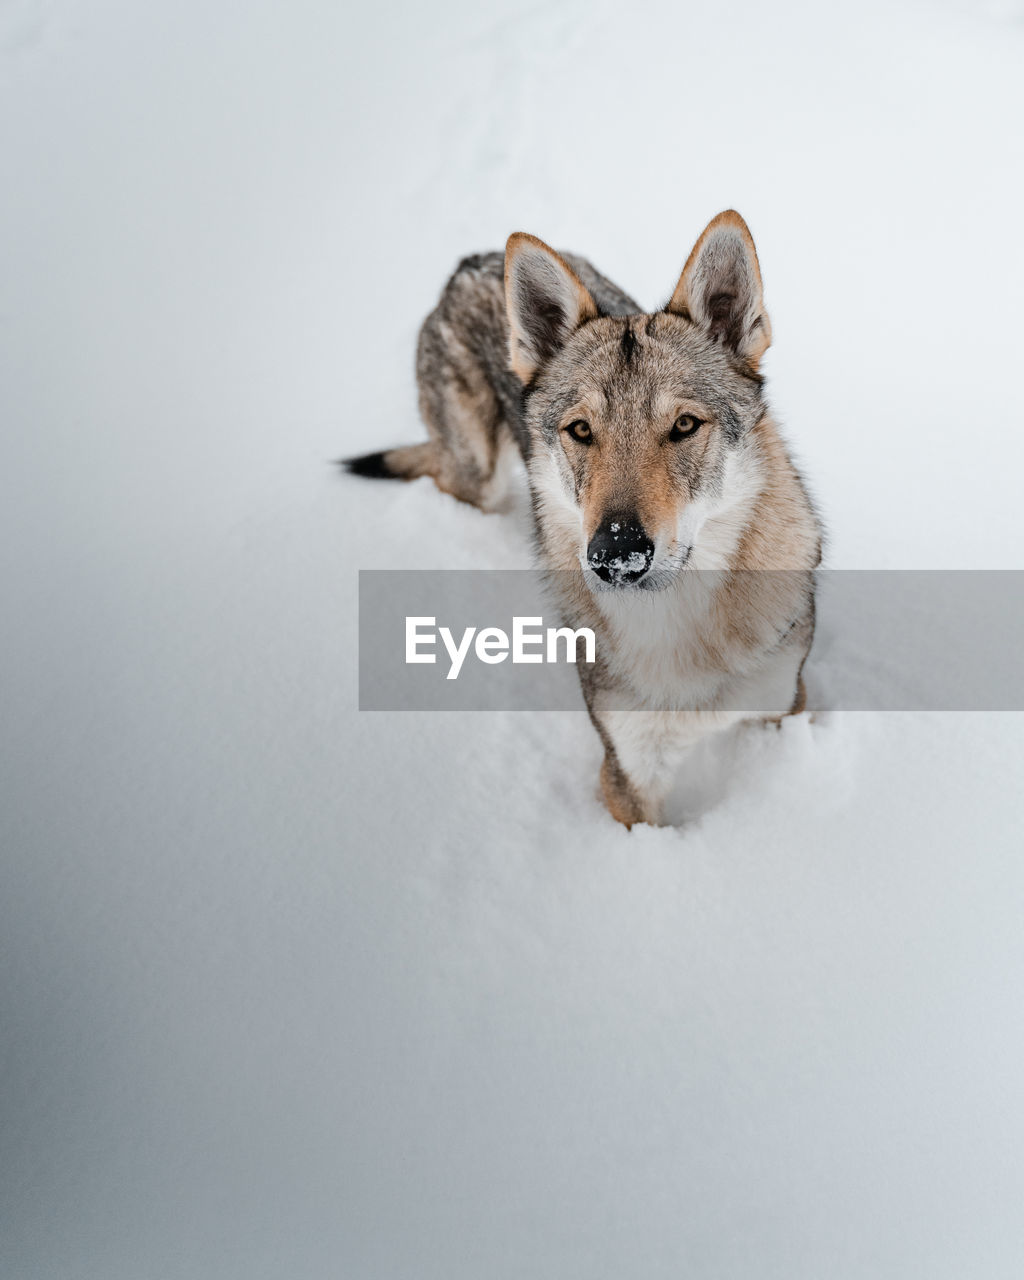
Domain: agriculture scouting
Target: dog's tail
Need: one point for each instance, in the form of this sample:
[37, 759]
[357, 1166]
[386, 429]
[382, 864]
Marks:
[405, 463]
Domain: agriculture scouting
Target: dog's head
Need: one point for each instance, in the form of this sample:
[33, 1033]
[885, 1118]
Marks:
[632, 419]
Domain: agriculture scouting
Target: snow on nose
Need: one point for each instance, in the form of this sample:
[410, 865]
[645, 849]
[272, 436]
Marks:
[620, 552]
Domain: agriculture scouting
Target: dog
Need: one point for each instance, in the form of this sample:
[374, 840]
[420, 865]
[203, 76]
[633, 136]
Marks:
[667, 511]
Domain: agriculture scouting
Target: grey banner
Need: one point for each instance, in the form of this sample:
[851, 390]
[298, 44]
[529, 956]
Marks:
[884, 640]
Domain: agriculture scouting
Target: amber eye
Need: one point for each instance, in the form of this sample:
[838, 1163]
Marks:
[580, 430]
[685, 425]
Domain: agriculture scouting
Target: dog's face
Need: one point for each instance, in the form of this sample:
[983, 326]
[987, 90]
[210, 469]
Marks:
[633, 420]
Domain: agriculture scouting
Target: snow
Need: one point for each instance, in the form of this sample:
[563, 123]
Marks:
[290, 990]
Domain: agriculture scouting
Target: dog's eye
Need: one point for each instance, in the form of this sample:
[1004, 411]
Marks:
[685, 425]
[580, 430]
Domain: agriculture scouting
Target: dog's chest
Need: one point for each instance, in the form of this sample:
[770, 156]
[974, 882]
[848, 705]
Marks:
[666, 646]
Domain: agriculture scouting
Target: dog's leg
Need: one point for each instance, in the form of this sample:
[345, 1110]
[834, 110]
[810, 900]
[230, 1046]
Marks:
[633, 777]
[471, 451]
[644, 751]
[468, 399]
[620, 798]
[464, 386]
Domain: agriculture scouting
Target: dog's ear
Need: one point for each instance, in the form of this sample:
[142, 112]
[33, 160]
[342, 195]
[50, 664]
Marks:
[720, 288]
[545, 300]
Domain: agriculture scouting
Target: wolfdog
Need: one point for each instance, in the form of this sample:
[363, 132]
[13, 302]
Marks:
[666, 506]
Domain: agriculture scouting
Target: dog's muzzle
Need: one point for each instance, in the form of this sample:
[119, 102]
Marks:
[620, 552]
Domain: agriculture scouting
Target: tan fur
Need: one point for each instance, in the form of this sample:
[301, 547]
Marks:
[619, 799]
[629, 479]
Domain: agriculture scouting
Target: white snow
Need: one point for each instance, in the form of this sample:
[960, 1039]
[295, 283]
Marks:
[290, 990]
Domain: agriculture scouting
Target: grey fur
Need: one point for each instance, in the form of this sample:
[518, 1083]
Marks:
[469, 399]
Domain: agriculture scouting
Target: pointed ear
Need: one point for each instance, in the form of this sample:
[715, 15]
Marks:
[720, 288]
[545, 301]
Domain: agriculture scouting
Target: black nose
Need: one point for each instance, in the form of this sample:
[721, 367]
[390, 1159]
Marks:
[620, 551]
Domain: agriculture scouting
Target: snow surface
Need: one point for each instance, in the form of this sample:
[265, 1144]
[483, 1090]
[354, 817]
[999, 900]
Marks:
[294, 991]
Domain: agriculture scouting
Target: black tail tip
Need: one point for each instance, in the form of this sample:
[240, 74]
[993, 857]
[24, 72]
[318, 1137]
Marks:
[372, 465]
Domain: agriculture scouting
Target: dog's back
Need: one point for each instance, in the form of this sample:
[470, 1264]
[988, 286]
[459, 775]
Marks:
[470, 400]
